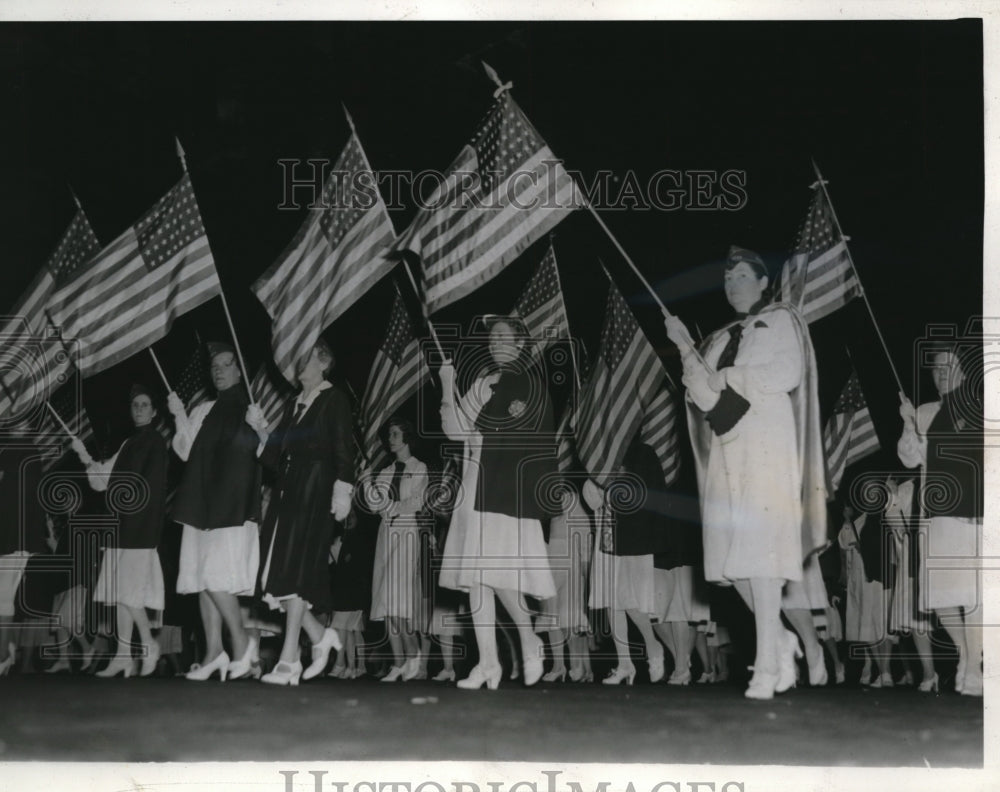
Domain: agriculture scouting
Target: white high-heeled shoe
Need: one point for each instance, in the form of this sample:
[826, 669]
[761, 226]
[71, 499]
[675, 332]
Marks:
[321, 653]
[960, 671]
[120, 664]
[248, 665]
[395, 674]
[788, 652]
[534, 665]
[480, 676]
[411, 668]
[150, 660]
[205, 672]
[656, 669]
[59, 666]
[818, 676]
[444, 675]
[284, 674]
[620, 674]
[762, 686]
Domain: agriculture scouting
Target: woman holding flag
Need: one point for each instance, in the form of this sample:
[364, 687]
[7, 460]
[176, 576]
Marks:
[131, 578]
[754, 424]
[944, 439]
[495, 547]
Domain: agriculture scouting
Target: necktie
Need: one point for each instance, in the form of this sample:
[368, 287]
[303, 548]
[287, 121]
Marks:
[397, 477]
[728, 356]
[299, 409]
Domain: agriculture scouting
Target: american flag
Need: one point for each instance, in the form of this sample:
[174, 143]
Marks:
[541, 306]
[128, 296]
[28, 318]
[65, 401]
[399, 370]
[565, 438]
[849, 434]
[819, 278]
[658, 430]
[191, 385]
[504, 191]
[619, 392]
[271, 394]
[337, 255]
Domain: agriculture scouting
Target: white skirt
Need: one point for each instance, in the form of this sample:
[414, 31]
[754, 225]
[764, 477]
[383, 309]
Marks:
[677, 598]
[950, 575]
[223, 559]
[131, 577]
[622, 582]
[498, 551]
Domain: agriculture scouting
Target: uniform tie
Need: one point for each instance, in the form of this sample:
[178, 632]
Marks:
[397, 477]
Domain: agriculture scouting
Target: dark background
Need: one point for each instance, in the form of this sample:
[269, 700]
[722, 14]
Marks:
[892, 113]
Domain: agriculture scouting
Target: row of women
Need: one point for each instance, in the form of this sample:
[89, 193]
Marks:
[754, 425]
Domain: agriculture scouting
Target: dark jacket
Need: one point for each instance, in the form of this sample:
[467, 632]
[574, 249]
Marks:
[144, 455]
[518, 445]
[221, 483]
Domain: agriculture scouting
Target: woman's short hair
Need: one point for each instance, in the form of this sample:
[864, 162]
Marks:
[405, 426]
[326, 354]
[738, 254]
[515, 323]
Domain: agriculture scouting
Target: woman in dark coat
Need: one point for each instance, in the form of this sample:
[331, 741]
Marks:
[311, 454]
[630, 531]
[495, 546]
[131, 577]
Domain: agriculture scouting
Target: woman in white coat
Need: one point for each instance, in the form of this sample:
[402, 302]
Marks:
[398, 494]
[754, 423]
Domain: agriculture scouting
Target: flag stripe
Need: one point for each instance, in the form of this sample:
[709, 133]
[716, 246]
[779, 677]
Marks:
[335, 258]
[471, 229]
[622, 389]
[127, 297]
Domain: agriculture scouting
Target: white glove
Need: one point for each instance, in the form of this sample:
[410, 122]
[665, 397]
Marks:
[341, 505]
[81, 451]
[175, 405]
[593, 495]
[678, 333]
[447, 375]
[255, 417]
[906, 409]
[696, 381]
[482, 390]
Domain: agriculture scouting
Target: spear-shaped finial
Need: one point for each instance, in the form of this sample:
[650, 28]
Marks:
[180, 154]
[492, 74]
[350, 121]
[75, 199]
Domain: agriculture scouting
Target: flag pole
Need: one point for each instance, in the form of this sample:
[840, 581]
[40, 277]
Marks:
[225, 305]
[864, 295]
[236, 341]
[667, 373]
[58, 417]
[423, 309]
[159, 368]
[354, 432]
[180, 153]
[572, 350]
